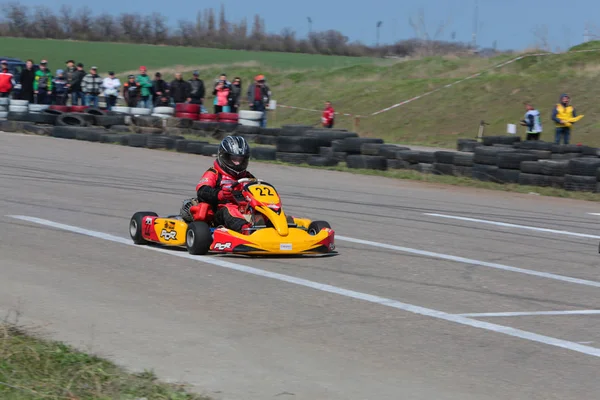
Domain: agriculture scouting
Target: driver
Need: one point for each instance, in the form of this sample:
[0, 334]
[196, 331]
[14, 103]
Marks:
[215, 185]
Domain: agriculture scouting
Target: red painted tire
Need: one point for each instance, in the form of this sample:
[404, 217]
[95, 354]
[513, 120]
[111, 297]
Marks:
[79, 108]
[64, 109]
[208, 117]
[227, 117]
[187, 108]
[228, 121]
[186, 115]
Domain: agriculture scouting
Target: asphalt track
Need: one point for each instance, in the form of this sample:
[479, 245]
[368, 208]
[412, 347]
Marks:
[396, 315]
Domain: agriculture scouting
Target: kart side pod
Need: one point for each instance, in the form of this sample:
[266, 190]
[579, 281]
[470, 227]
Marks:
[202, 212]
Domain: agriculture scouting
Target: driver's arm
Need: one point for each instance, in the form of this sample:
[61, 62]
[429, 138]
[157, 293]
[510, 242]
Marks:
[207, 189]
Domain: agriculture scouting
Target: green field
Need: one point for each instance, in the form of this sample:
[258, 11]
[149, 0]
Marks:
[362, 86]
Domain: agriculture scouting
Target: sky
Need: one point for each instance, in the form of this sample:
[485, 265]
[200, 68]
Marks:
[509, 23]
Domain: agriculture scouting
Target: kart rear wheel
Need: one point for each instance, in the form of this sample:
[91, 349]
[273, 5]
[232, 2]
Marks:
[198, 238]
[316, 226]
[136, 224]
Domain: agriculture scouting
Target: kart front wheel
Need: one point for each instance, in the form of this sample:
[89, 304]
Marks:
[198, 238]
[135, 226]
[316, 226]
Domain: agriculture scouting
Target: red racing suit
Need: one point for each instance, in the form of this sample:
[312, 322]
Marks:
[7, 81]
[214, 189]
[328, 117]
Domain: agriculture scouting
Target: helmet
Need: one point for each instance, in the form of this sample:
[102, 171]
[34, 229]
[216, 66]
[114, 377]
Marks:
[233, 156]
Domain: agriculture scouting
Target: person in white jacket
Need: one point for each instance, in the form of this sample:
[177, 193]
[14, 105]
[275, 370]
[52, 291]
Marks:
[111, 86]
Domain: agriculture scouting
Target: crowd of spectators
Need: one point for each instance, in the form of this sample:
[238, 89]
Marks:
[74, 86]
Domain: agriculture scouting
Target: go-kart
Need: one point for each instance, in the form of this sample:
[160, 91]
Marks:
[271, 230]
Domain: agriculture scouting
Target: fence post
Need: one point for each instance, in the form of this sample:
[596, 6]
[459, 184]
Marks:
[356, 124]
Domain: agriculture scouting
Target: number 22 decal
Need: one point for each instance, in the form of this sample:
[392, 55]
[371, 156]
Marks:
[264, 191]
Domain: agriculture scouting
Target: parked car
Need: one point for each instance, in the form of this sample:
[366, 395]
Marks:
[15, 66]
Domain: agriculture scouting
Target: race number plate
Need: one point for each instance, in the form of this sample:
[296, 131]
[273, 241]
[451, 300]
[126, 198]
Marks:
[265, 194]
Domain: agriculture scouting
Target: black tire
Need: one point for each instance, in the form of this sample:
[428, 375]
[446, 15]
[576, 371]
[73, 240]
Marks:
[110, 120]
[120, 128]
[210, 150]
[183, 123]
[426, 157]
[340, 155]
[64, 132]
[590, 151]
[531, 167]
[510, 160]
[205, 126]
[329, 135]
[195, 147]
[270, 131]
[463, 159]
[566, 148]
[317, 226]
[393, 163]
[52, 112]
[325, 151]
[294, 129]
[136, 224]
[467, 145]
[198, 238]
[297, 144]
[580, 183]
[70, 119]
[319, 161]
[95, 111]
[460, 170]
[89, 118]
[43, 118]
[181, 145]
[410, 156]
[111, 138]
[424, 168]
[507, 175]
[227, 126]
[160, 142]
[370, 149]
[292, 158]
[18, 116]
[89, 135]
[556, 181]
[491, 140]
[389, 151]
[444, 157]
[250, 130]
[534, 179]
[534, 145]
[263, 153]
[366, 162]
[352, 145]
[554, 167]
[584, 166]
[264, 139]
[138, 140]
[147, 121]
[148, 131]
[485, 172]
[488, 155]
[565, 156]
[443, 169]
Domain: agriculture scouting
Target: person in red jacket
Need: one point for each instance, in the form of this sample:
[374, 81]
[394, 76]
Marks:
[215, 185]
[7, 80]
[328, 115]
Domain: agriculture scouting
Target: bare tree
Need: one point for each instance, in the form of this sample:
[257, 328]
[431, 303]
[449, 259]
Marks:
[66, 20]
[46, 24]
[18, 18]
[540, 32]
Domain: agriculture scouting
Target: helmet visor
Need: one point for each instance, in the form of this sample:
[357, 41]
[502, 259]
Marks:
[237, 160]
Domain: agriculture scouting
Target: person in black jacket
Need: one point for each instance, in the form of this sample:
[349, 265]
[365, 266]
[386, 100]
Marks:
[235, 94]
[26, 81]
[76, 91]
[160, 88]
[180, 90]
[197, 85]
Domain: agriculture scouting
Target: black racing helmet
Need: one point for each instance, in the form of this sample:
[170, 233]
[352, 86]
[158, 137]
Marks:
[233, 156]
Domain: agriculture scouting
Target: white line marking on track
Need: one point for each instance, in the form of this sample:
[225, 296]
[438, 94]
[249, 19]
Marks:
[428, 312]
[507, 225]
[470, 261]
[594, 213]
[532, 313]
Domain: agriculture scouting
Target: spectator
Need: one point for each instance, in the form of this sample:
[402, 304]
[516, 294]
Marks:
[235, 94]
[221, 101]
[223, 78]
[42, 86]
[160, 87]
[259, 96]
[564, 115]
[111, 85]
[59, 86]
[328, 117]
[27, 79]
[533, 122]
[70, 73]
[146, 86]
[163, 101]
[131, 91]
[198, 91]
[7, 80]
[180, 90]
[77, 97]
[91, 87]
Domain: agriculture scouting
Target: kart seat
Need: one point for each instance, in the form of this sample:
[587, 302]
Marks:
[202, 212]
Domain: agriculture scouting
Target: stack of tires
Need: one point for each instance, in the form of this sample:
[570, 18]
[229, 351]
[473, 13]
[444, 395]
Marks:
[18, 106]
[188, 111]
[163, 112]
[4, 104]
[250, 118]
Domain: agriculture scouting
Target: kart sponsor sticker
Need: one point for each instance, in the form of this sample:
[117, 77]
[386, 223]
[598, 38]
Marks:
[222, 246]
[285, 246]
[148, 220]
[168, 235]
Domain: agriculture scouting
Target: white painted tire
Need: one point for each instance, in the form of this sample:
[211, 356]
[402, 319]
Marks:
[3, 108]
[21, 103]
[248, 122]
[3, 114]
[250, 115]
[38, 107]
[4, 101]
[163, 110]
[140, 111]
[123, 110]
[18, 109]
[163, 116]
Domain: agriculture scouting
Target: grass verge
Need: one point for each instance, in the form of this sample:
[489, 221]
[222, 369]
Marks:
[33, 368]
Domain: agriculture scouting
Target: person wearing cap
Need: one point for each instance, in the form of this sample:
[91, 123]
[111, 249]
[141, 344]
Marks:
[111, 85]
[42, 86]
[77, 96]
[160, 88]
[146, 85]
[564, 115]
[91, 86]
[7, 80]
[131, 91]
[26, 80]
[198, 90]
[59, 88]
[259, 96]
